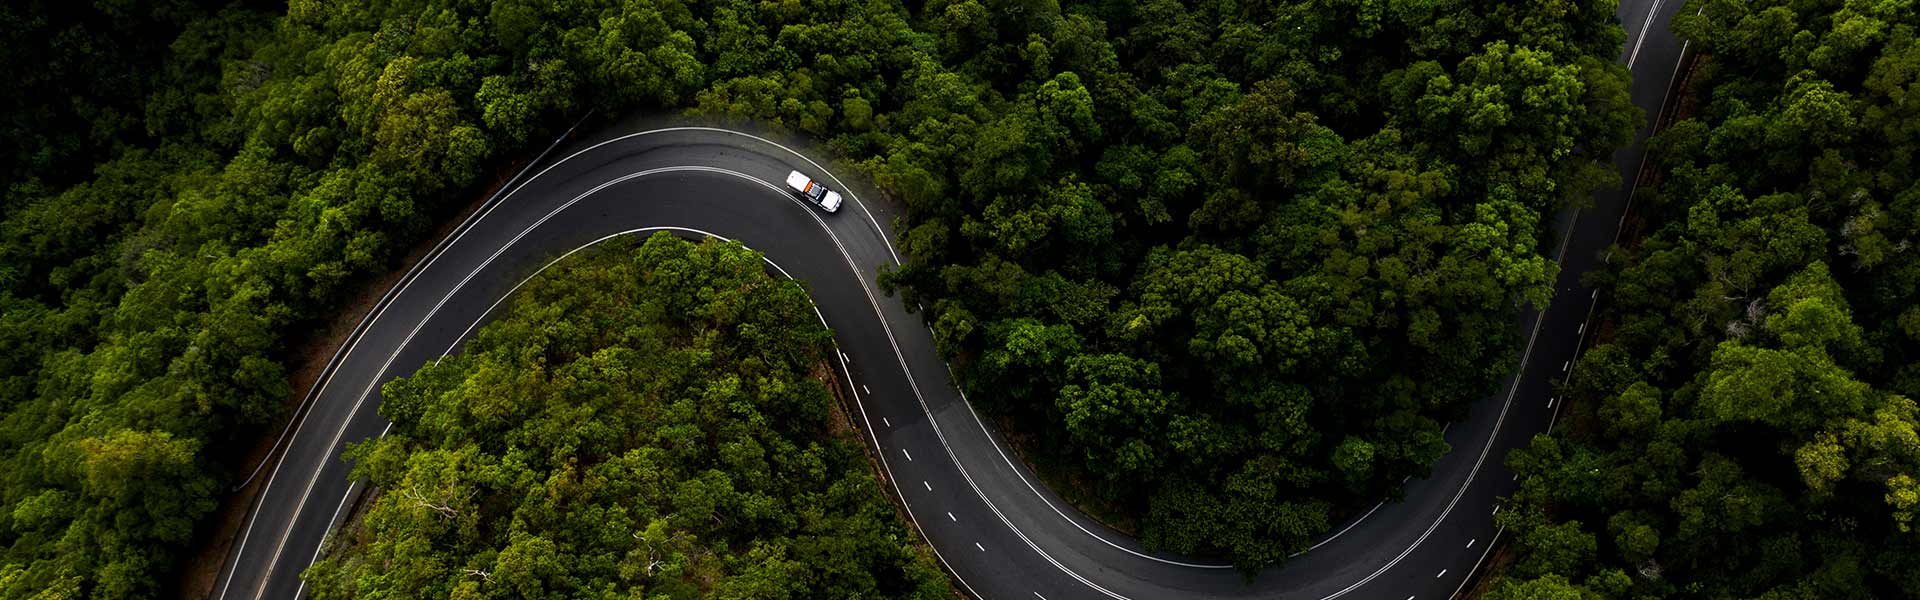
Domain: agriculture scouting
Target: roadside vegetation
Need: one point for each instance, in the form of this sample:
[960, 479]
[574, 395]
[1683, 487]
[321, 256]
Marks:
[641, 420]
[1745, 426]
[1234, 264]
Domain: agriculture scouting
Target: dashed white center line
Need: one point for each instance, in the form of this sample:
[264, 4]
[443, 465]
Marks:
[1037, 595]
[1443, 573]
[909, 454]
[950, 518]
[1583, 328]
[863, 388]
[1549, 403]
[929, 485]
[884, 420]
[982, 548]
[1471, 541]
[1564, 365]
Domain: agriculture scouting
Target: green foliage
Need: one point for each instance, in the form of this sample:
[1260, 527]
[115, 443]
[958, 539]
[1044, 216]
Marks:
[1247, 258]
[645, 420]
[1551, 587]
[1748, 430]
[1360, 189]
[281, 162]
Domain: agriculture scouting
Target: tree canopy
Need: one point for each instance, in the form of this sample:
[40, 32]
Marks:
[1247, 259]
[1746, 425]
[645, 420]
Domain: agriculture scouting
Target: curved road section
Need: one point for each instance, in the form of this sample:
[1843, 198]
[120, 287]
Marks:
[1001, 534]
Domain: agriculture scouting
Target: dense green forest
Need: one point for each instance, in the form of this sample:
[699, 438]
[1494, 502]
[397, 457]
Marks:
[1248, 258]
[1242, 259]
[644, 420]
[1745, 426]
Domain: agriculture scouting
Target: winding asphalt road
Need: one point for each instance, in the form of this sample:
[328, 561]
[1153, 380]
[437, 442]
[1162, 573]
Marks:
[1000, 533]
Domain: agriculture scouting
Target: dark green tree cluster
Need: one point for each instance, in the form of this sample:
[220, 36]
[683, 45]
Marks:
[645, 420]
[1244, 259]
[1746, 427]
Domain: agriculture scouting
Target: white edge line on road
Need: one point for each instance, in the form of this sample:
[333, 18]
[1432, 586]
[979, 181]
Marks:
[1343, 531]
[1642, 38]
[1652, 129]
[1483, 558]
[330, 523]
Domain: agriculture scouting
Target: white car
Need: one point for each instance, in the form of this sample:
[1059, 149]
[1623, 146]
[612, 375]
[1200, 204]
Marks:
[811, 191]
